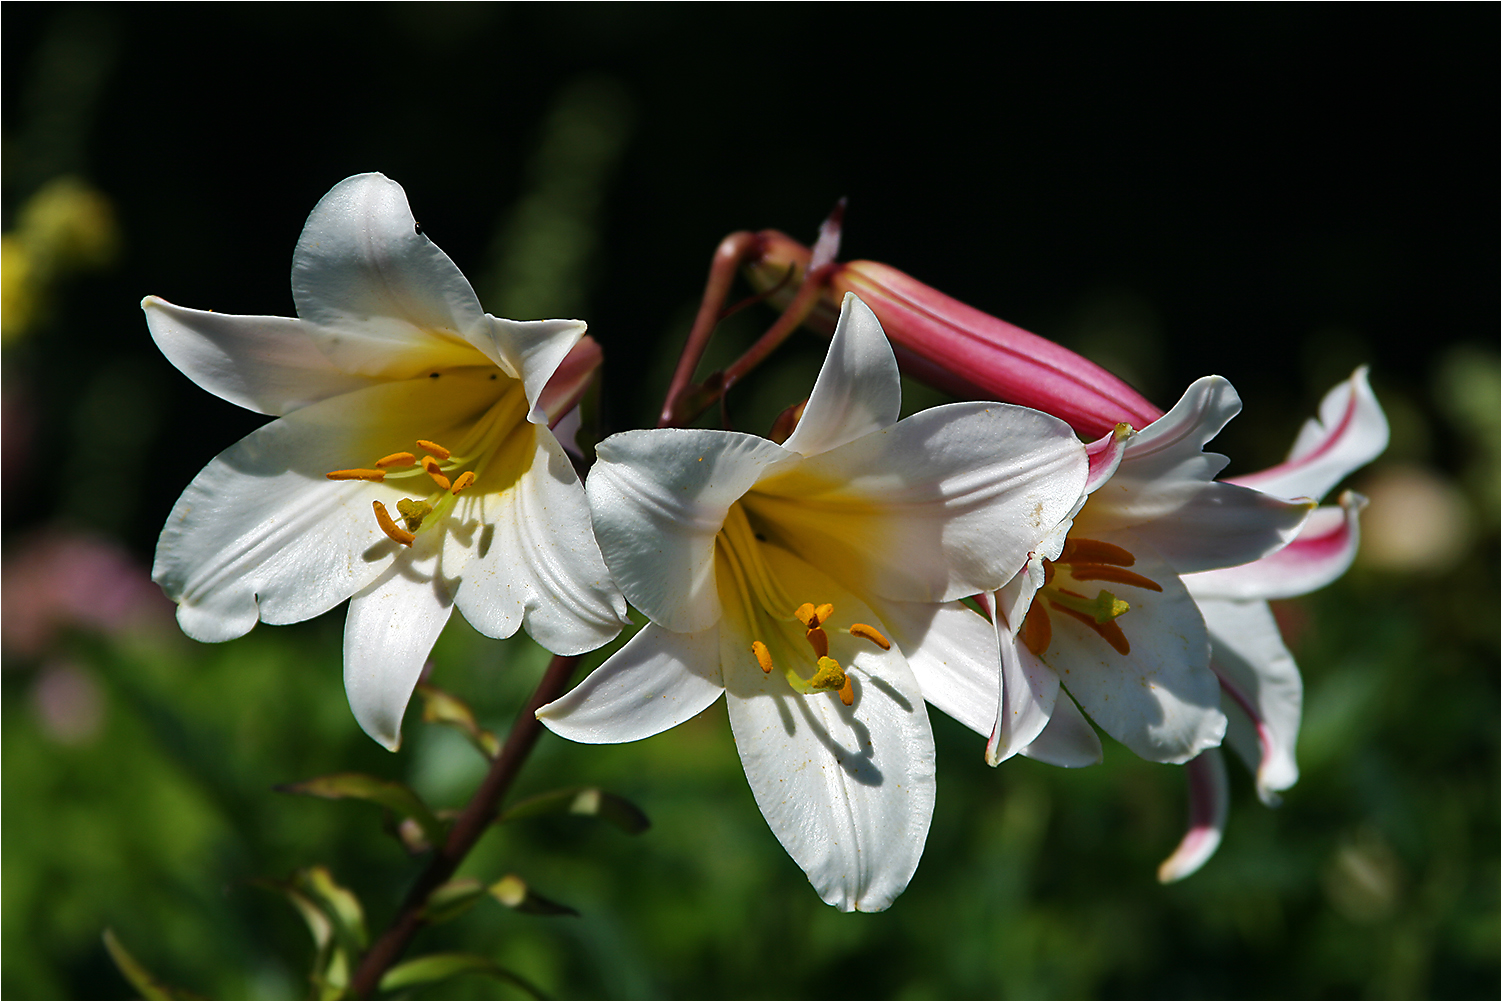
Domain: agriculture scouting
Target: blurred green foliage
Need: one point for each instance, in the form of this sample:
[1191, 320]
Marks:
[1169, 212]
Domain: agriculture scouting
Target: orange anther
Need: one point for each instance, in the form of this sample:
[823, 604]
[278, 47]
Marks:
[435, 449]
[818, 640]
[805, 615]
[823, 612]
[1095, 552]
[764, 657]
[358, 474]
[1037, 630]
[397, 460]
[391, 529]
[847, 693]
[1109, 631]
[872, 634]
[430, 465]
[1108, 573]
[463, 481]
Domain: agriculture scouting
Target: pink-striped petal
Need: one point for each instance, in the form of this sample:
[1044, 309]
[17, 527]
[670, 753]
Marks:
[1206, 774]
[1320, 554]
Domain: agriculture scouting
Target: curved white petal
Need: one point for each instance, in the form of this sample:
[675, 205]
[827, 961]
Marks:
[1221, 526]
[1206, 775]
[1350, 432]
[1106, 455]
[388, 634]
[944, 504]
[952, 652]
[266, 364]
[1161, 699]
[658, 680]
[383, 300]
[531, 351]
[262, 533]
[858, 390]
[519, 540]
[1262, 693]
[1068, 739]
[848, 791]
[1026, 699]
[657, 498]
[1320, 554]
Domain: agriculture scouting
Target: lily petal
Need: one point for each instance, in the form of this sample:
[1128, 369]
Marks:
[1160, 700]
[1026, 700]
[1261, 690]
[522, 539]
[657, 680]
[382, 298]
[1320, 554]
[531, 351]
[1206, 774]
[1106, 455]
[1350, 432]
[848, 791]
[1068, 740]
[952, 652]
[388, 634]
[944, 504]
[262, 533]
[858, 390]
[266, 364]
[657, 498]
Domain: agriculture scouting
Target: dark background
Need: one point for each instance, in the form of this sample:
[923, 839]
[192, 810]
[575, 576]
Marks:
[1272, 193]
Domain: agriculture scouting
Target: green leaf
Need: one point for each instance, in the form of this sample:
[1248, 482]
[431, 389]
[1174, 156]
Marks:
[340, 904]
[582, 801]
[136, 974]
[452, 899]
[514, 893]
[433, 967]
[388, 793]
[445, 708]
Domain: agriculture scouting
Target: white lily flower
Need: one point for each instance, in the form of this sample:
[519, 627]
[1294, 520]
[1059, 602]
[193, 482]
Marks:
[411, 468]
[1261, 690]
[781, 575]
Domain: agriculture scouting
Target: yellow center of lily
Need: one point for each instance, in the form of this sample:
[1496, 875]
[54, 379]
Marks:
[1085, 560]
[739, 545]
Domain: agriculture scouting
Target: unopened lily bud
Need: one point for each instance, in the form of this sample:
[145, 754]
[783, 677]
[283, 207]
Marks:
[955, 347]
[571, 379]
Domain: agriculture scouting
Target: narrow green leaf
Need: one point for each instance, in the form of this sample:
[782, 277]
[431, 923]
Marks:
[339, 903]
[433, 967]
[319, 924]
[388, 793]
[514, 893]
[452, 899]
[445, 708]
[582, 801]
[135, 973]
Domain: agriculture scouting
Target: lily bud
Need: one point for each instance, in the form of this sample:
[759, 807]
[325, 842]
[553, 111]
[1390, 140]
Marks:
[571, 379]
[955, 347]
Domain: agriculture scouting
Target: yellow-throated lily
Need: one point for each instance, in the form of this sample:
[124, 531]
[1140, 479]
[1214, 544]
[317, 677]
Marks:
[784, 575]
[411, 468]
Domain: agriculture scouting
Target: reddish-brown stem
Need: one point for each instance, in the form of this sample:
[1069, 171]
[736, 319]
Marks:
[466, 832]
[729, 256]
[692, 401]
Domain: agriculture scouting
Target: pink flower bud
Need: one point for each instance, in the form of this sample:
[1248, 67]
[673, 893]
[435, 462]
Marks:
[958, 348]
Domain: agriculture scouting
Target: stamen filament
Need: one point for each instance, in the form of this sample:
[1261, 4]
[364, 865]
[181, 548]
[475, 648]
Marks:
[357, 474]
[1109, 631]
[435, 449]
[1103, 609]
[391, 529]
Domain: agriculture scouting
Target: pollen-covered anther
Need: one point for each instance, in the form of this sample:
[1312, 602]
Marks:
[391, 529]
[396, 460]
[463, 481]
[763, 656]
[434, 448]
[872, 634]
[430, 466]
[357, 474]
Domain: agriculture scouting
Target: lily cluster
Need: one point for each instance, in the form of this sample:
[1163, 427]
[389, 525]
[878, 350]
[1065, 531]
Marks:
[978, 557]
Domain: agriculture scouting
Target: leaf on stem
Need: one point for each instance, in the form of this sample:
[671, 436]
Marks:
[145, 983]
[582, 801]
[452, 900]
[388, 793]
[440, 707]
[513, 892]
[433, 967]
[336, 921]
